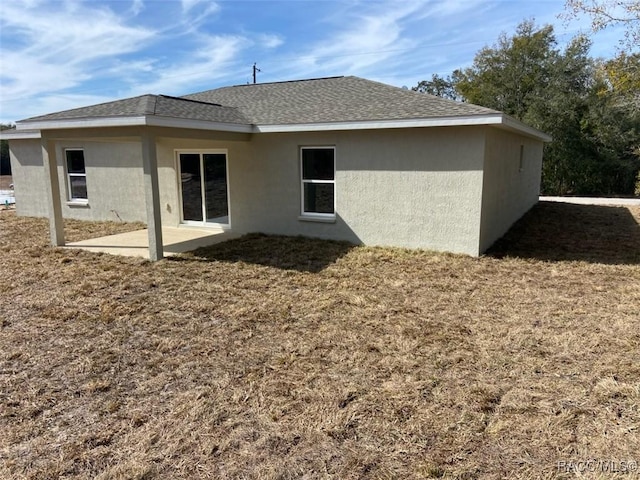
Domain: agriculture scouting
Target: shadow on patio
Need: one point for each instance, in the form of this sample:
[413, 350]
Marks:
[136, 243]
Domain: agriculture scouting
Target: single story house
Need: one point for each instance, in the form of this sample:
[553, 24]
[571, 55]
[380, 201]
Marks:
[338, 158]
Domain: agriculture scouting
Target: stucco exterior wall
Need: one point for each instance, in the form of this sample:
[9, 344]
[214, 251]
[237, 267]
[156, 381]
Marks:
[28, 177]
[409, 188]
[115, 188]
[114, 180]
[449, 188]
[508, 191]
[238, 161]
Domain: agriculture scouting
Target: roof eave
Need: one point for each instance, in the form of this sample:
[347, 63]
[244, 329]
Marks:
[158, 121]
[14, 134]
[31, 129]
[510, 123]
[133, 121]
[497, 119]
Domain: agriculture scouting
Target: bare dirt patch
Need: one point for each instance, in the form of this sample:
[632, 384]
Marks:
[277, 358]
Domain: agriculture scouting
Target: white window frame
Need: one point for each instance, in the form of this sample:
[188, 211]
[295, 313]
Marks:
[202, 153]
[315, 215]
[70, 196]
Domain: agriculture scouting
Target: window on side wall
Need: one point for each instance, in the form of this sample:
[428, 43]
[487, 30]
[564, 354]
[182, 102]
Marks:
[318, 171]
[521, 163]
[76, 175]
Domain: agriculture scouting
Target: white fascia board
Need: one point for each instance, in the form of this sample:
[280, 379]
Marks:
[156, 121]
[510, 123]
[14, 134]
[83, 123]
[498, 120]
[493, 119]
[142, 120]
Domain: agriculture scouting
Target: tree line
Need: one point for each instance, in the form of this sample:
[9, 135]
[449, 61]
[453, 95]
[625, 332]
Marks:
[5, 163]
[590, 106]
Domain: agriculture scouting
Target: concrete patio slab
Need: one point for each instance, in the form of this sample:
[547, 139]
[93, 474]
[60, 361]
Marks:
[136, 243]
[7, 197]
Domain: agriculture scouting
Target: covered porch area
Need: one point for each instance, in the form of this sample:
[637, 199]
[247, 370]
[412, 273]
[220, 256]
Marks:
[157, 151]
[168, 167]
[175, 240]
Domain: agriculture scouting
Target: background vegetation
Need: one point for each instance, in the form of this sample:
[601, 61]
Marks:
[590, 106]
[5, 164]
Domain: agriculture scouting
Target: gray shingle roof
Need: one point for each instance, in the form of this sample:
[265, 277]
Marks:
[323, 100]
[335, 99]
[158, 105]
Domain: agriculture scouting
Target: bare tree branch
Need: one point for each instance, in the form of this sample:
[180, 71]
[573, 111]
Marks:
[608, 13]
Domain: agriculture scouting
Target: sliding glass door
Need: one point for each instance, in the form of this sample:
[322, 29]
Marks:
[203, 187]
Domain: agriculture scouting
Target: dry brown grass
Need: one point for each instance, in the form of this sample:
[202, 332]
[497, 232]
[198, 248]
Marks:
[562, 231]
[282, 358]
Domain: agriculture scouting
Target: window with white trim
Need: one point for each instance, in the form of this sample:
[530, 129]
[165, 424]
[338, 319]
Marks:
[76, 175]
[318, 173]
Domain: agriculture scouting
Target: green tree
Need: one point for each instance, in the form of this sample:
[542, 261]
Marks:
[621, 76]
[566, 94]
[511, 75]
[616, 117]
[440, 87]
[5, 163]
[570, 160]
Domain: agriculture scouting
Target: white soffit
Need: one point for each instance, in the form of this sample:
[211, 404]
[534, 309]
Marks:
[143, 120]
[14, 134]
[498, 120]
[30, 129]
[383, 124]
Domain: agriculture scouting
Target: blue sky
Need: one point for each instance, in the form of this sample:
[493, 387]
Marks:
[56, 55]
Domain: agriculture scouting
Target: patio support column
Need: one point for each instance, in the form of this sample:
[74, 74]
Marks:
[52, 186]
[152, 195]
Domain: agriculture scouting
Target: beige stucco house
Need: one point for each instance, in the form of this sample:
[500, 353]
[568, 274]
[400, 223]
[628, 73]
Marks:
[340, 158]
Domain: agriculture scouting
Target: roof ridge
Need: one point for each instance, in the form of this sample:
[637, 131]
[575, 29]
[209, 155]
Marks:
[289, 81]
[192, 100]
[248, 85]
[148, 103]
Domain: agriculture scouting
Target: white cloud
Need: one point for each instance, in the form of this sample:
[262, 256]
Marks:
[136, 7]
[65, 53]
[21, 109]
[268, 40]
[363, 40]
[189, 4]
[212, 60]
[129, 71]
[53, 49]
[209, 7]
[449, 8]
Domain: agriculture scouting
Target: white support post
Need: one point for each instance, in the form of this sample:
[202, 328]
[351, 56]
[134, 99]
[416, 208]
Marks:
[52, 185]
[152, 195]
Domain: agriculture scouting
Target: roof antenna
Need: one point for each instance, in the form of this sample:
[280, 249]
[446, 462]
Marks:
[255, 70]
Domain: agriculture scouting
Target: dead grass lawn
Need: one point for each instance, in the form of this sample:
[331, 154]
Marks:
[283, 358]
